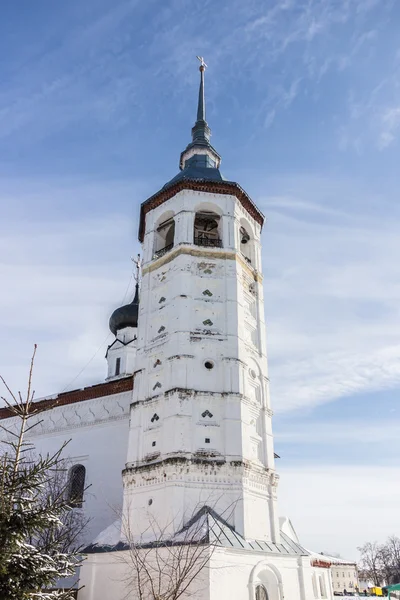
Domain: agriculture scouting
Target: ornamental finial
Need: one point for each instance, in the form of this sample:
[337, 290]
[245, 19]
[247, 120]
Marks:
[203, 65]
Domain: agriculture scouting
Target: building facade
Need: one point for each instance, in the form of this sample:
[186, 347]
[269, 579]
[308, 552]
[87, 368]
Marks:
[344, 573]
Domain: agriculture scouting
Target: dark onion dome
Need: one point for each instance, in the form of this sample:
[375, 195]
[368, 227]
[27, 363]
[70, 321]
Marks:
[125, 316]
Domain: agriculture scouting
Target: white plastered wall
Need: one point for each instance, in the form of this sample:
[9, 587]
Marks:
[203, 305]
[97, 434]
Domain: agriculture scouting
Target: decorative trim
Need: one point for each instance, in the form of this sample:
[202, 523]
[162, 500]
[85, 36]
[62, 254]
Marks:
[89, 393]
[179, 356]
[207, 253]
[187, 248]
[206, 413]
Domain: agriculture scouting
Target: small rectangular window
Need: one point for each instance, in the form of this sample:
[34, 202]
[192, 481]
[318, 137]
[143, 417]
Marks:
[207, 440]
[153, 444]
[117, 366]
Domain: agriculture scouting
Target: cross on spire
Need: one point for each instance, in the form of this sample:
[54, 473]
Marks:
[201, 107]
[203, 65]
[136, 276]
[138, 264]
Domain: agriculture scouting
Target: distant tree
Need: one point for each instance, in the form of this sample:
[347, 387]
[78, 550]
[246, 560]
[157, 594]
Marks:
[370, 562]
[390, 560]
[380, 563]
[39, 533]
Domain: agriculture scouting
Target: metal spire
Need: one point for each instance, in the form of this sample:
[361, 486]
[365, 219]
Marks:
[201, 131]
[199, 154]
[201, 108]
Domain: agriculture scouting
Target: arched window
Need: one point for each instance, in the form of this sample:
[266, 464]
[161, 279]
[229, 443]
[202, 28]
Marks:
[207, 229]
[117, 367]
[261, 593]
[164, 237]
[76, 485]
[246, 244]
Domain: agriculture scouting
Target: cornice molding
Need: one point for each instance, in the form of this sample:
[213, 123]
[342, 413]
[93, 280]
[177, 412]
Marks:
[198, 185]
[100, 390]
[96, 411]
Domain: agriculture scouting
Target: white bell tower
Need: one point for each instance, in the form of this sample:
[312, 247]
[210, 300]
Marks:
[200, 427]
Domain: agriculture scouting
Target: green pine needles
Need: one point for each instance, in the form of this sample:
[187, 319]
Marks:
[39, 530]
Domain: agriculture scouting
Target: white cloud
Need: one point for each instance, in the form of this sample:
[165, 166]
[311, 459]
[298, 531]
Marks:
[60, 282]
[338, 508]
[340, 431]
[332, 292]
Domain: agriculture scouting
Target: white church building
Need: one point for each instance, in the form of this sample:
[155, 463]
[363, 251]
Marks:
[179, 436]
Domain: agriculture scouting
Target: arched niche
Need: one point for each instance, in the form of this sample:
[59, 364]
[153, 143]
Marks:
[246, 242]
[267, 576]
[254, 381]
[164, 234]
[207, 227]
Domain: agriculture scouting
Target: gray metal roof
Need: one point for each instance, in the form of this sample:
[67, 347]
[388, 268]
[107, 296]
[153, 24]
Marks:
[221, 533]
[207, 527]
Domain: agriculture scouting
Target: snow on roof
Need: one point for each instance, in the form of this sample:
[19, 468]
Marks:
[286, 526]
[333, 560]
[206, 526]
[109, 536]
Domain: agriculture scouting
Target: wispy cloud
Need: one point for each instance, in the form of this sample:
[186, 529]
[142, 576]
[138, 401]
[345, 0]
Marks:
[332, 299]
[338, 432]
[94, 74]
[63, 278]
[390, 126]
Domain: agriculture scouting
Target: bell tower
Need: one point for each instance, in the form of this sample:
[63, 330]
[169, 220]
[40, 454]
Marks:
[200, 426]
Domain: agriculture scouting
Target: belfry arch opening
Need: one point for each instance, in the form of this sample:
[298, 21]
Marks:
[246, 242]
[207, 229]
[164, 236]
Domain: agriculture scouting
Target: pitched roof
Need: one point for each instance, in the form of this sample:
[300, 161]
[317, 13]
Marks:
[207, 527]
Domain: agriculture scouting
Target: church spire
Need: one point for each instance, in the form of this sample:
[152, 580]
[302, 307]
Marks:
[201, 133]
[201, 107]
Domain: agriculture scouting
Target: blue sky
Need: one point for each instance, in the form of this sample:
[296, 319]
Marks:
[97, 100]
